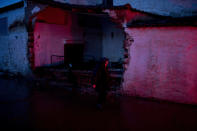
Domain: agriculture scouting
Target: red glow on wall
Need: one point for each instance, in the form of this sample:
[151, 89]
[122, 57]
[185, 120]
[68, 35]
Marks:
[53, 16]
[163, 63]
[54, 28]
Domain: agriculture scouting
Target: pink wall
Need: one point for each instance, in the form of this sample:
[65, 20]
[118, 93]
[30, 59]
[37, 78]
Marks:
[163, 62]
[49, 40]
[56, 29]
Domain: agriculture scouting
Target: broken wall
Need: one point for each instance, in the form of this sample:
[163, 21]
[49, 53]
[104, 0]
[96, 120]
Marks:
[163, 64]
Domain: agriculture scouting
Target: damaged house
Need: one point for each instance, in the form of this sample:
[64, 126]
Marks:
[151, 55]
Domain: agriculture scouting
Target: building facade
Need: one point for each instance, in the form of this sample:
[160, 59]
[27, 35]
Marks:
[157, 47]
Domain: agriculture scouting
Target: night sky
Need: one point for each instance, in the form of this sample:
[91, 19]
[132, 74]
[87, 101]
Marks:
[176, 8]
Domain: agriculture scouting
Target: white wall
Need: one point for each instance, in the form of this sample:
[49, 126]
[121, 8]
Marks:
[13, 54]
[112, 45]
[93, 43]
[100, 43]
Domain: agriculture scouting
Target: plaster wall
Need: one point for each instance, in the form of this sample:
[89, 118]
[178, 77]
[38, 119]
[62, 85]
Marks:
[112, 41]
[49, 39]
[105, 41]
[163, 64]
[93, 43]
[13, 45]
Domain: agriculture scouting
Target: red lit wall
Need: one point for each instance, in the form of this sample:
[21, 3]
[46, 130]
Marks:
[53, 29]
[49, 40]
[163, 62]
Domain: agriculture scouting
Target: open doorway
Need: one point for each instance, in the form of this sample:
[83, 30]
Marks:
[63, 38]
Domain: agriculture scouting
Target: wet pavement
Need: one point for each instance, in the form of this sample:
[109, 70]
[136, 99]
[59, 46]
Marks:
[24, 107]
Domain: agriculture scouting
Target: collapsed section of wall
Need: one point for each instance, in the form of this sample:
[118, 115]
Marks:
[160, 61]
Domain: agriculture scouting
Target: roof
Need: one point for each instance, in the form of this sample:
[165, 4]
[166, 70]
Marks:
[162, 21]
[5, 3]
[141, 18]
[147, 19]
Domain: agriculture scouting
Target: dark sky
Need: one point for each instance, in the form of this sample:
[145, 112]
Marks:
[163, 7]
[174, 8]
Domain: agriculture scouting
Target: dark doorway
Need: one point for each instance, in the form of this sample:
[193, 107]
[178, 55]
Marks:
[73, 53]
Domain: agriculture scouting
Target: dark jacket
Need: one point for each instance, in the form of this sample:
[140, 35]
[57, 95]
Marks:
[102, 79]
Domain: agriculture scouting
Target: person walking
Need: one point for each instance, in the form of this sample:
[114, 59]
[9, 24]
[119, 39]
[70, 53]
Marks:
[102, 82]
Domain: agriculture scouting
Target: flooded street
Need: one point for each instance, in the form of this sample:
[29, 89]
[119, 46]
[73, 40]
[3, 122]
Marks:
[25, 107]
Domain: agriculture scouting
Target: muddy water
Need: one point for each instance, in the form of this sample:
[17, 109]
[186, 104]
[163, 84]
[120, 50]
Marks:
[25, 107]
